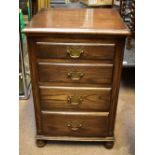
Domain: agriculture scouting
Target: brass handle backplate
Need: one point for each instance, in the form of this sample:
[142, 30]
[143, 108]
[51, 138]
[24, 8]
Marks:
[74, 100]
[74, 126]
[74, 52]
[75, 76]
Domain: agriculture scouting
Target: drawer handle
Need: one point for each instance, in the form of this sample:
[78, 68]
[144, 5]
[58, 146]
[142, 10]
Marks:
[74, 100]
[74, 127]
[74, 52]
[75, 76]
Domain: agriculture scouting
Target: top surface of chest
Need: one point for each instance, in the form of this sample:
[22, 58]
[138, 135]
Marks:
[83, 21]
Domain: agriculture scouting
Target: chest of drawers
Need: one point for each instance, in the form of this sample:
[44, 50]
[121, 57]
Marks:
[76, 60]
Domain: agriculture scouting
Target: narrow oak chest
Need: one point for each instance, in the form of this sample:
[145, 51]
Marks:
[76, 60]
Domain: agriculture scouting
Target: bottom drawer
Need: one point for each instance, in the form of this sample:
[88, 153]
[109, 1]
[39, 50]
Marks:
[75, 124]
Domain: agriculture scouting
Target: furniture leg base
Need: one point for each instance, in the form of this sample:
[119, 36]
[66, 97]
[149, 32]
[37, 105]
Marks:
[109, 145]
[41, 143]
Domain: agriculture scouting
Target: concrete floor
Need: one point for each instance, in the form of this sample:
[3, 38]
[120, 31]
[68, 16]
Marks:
[124, 129]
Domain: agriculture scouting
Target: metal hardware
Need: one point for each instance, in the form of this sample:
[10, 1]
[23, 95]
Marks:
[75, 75]
[74, 126]
[74, 100]
[74, 52]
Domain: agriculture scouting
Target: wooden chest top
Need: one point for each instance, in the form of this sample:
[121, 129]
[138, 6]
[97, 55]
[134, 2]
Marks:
[82, 21]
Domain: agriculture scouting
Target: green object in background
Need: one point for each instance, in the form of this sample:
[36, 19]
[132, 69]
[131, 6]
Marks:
[22, 23]
[28, 10]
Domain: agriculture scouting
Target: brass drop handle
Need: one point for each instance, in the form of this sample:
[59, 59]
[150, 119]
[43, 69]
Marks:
[74, 52]
[74, 100]
[75, 76]
[74, 127]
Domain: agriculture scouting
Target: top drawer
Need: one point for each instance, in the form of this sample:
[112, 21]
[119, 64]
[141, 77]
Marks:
[75, 50]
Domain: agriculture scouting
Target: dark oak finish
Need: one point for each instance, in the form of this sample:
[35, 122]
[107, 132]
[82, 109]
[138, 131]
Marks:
[85, 21]
[75, 98]
[76, 125]
[75, 70]
[85, 72]
[88, 51]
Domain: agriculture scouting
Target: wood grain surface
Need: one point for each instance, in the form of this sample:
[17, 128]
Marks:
[86, 98]
[86, 125]
[77, 21]
[90, 51]
[58, 72]
[75, 93]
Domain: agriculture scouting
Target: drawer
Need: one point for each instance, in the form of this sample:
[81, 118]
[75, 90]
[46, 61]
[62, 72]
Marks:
[66, 72]
[75, 98]
[75, 124]
[75, 50]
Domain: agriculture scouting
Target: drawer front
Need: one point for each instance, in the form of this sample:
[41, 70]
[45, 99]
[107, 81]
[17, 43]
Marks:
[75, 50]
[75, 72]
[75, 98]
[78, 125]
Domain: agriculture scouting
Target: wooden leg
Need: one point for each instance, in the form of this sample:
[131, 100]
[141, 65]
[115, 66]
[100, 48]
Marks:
[108, 145]
[40, 143]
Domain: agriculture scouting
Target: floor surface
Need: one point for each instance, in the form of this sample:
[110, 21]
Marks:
[124, 129]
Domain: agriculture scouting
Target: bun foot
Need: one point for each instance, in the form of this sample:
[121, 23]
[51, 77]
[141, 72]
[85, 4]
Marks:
[40, 143]
[108, 145]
